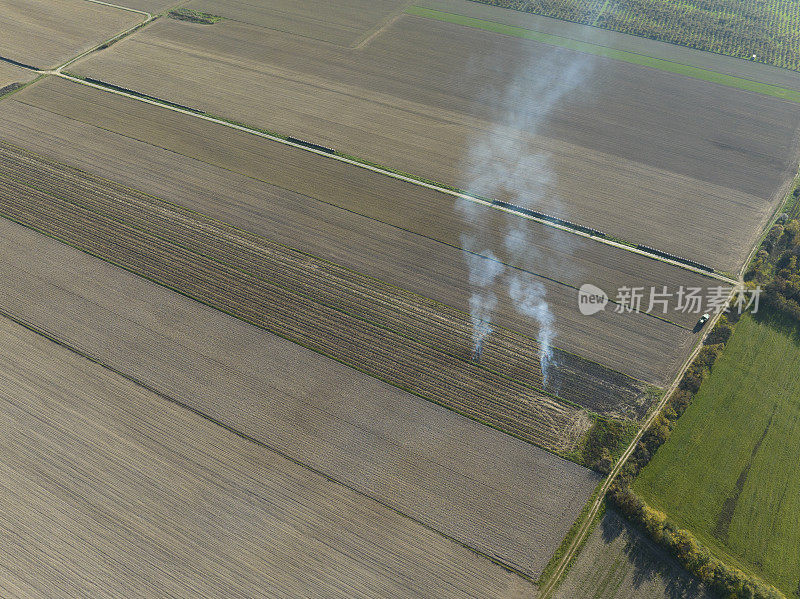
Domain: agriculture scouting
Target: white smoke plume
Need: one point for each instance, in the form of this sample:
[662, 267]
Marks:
[483, 271]
[503, 164]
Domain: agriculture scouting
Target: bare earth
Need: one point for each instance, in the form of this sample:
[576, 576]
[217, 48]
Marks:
[656, 158]
[151, 6]
[344, 214]
[45, 34]
[109, 490]
[619, 562]
[341, 23]
[397, 337]
[718, 63]
[499, 495]
[10, 73]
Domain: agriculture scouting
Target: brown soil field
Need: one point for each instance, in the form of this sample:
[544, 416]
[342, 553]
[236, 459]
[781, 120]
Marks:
[45, 34]
[719, 63]
[676, 163]
[488, 490]
[271, 284]
[396, 337]
[340, 213]
[109, 490]
[344, 23]
[10, 73]
[619, 562]
[151, 6]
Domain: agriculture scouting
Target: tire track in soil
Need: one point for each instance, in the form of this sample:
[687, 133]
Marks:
[729, 507]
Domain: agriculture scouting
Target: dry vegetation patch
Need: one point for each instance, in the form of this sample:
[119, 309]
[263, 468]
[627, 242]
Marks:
[400, 337]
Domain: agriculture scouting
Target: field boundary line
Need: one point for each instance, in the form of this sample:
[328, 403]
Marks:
[662, 64]
[383, 26]
[141, 12]
[328, 153]
[85, 355]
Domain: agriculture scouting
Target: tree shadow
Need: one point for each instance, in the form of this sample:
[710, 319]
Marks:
[780, 323]
[650, 563]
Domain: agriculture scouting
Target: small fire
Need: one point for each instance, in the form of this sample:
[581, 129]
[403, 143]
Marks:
[477, 352]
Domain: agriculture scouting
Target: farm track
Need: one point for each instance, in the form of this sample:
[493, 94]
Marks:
[39, 34]
[397, 336]
[725, 177]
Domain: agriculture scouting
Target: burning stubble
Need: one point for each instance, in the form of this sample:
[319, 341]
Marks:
[503, 165]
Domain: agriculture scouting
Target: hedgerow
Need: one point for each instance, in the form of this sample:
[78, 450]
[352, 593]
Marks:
[776, 268]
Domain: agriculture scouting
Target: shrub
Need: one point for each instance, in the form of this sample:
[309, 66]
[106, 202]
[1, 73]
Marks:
[193, 16]
[691, 381]
[707, 356]
[605, 440]
[682, 544]
[720, 333]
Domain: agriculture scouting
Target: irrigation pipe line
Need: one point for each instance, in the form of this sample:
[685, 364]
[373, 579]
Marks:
[382, 171]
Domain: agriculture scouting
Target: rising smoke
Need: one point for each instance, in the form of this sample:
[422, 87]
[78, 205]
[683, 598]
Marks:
[504, 164]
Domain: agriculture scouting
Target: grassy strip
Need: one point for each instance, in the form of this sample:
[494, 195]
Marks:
[554, 562]
[623, 55]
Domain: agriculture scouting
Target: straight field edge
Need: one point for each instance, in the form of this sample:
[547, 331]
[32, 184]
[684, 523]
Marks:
[607, 52]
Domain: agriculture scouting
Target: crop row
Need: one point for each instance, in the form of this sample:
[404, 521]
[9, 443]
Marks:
[184, 252]
[411, 316]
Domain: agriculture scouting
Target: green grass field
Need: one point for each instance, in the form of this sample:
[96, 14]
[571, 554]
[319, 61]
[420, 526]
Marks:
[729, 472]
[770, 29]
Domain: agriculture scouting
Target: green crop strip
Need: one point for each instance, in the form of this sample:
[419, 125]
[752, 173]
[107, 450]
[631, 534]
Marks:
[598, 50]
